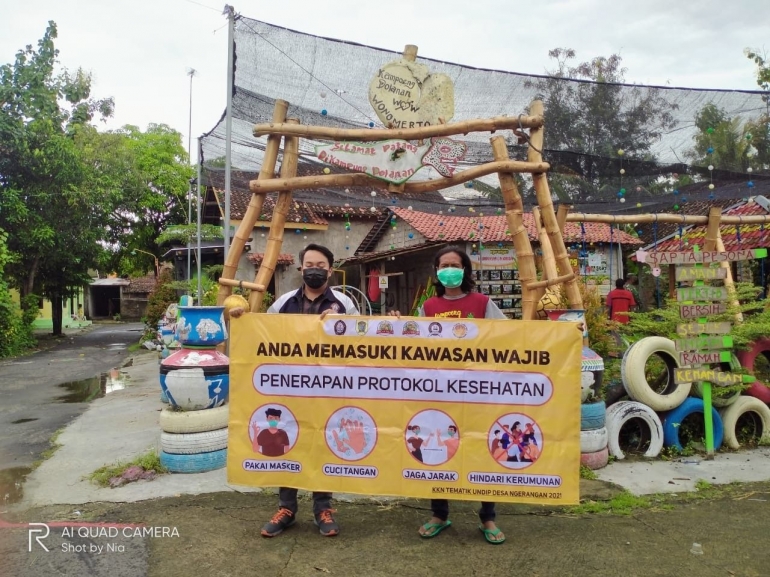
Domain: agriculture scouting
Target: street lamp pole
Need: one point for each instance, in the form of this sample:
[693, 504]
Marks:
[157, 267]
[191, 72]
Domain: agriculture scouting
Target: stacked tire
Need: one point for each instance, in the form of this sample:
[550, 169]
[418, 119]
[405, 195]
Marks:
[593, 436]
[196, 382]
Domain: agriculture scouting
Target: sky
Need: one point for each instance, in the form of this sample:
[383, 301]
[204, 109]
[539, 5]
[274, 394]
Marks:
[140, 52]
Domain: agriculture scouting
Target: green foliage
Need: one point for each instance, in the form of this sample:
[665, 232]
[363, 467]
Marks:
[763, 67]
[184, 233]
[159, 299]
[600, 326]
[586, 473]
[149, 461]
[15, 325]
[598, 117]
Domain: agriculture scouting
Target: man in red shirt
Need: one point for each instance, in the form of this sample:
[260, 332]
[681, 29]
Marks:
[619, 302]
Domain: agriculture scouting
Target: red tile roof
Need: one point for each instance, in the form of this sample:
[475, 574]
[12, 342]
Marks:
[494, 228]
[144, 284]
[735, 237]
[299, 212]
[283, 259]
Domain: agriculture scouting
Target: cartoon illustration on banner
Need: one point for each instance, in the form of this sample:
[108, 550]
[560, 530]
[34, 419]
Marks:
[413, 408]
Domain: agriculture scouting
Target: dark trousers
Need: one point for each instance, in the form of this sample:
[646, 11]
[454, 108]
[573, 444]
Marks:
[287, 497]
[440, 508]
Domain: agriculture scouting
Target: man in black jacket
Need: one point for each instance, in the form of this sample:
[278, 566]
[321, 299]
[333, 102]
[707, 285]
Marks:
[313, 297]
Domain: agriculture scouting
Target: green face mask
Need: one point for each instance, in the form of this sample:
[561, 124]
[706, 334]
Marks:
[272, 424]
[451, 277]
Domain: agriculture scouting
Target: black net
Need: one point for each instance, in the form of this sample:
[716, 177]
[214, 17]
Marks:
[668, 136]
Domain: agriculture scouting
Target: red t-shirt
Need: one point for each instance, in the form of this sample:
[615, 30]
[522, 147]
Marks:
[620, 301]
[471, 306]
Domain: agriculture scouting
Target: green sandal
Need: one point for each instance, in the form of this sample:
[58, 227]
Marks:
[489, 533]
[434, 529]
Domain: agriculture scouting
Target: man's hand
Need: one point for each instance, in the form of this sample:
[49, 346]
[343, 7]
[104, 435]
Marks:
[236, 312]
[396, 314]
[325, 314]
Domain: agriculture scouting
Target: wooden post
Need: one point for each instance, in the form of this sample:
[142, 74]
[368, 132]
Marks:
[714, 242]
[545, 203]
[550, 271]
[410, 52]
[246, 228]
[278, 221]
[561, 216]
[514, 214]
[672, 281]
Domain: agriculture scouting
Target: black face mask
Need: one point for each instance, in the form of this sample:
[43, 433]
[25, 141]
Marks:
[315, 278]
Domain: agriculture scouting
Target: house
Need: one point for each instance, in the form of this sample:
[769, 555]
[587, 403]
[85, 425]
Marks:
[114, 297]
[72, 311]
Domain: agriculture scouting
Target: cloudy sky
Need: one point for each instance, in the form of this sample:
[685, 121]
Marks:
[139, 52]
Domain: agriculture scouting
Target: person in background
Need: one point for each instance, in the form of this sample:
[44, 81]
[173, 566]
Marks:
[314, 297]
[632, 284]
[619, 301]
[456, 298]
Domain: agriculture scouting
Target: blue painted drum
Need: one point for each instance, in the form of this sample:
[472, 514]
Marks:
[201, 326]
[194, 380]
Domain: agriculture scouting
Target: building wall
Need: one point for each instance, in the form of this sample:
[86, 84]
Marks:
[45, 314]
[133, 307]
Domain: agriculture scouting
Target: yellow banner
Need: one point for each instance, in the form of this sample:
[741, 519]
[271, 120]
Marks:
[415, 407]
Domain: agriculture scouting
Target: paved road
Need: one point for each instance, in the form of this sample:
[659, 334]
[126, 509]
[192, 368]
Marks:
[31, 409]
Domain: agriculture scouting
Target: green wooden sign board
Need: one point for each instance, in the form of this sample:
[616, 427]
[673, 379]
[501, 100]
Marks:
[712, 376]
[702, 257]
[703, 343]
[690, 273]
[698, 311]
[696, 358]
[702, 293]
[695, 329]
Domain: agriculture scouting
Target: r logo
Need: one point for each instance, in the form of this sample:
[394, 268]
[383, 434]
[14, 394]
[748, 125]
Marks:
[43, 529]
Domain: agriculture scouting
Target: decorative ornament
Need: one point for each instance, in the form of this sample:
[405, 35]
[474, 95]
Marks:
[373, 209]
[622, 199]
[709, 150]
[410, 235]
[638, 205]
[324, 112]
[322, 94]
[304, 237]
[621, 152]
[750, 184]
[711, 167]
[622, 171]
[676, 207]
[655, 271]
[710, 130]
[409, 208]
[371, 124]
[499, 211]
[374, 193]
[298, 231]
[749, 170]
[711, 186]
[327, 170]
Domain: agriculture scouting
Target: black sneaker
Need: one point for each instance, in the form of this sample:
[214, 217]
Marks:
[283, 519]
[326, 523]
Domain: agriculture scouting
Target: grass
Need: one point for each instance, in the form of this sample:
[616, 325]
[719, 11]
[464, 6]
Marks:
[132, 348]
[150, 461]
[52, 448]
[586, 473]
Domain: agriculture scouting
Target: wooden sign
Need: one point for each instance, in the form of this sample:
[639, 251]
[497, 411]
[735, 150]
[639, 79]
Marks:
[709, 375]
[699, 257]
[692, 359]
[404, 94]
[703, 343]
[697, 311]
[394, 160]
[695, 329]
[689, 273]
[702, 293]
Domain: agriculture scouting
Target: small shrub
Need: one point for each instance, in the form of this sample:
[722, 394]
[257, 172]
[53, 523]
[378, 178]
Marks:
[160, 298]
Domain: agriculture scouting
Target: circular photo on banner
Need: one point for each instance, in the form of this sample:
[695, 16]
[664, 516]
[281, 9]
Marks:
[515, 441]
[351, 433]
[432, 437]
[273, 430]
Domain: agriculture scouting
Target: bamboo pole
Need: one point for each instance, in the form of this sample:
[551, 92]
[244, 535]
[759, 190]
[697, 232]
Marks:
[714, 242]
[663, 217]
[561, 216]
[552, 282]
[278, 221]
[363, 179]
[514, 214]
[242, 284]
[671, 281]
[549, 262]
[246, 228]
[373, 134]
[545, 203]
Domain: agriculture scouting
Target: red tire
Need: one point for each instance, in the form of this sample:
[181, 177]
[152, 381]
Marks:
[595, 460]
[747, 359]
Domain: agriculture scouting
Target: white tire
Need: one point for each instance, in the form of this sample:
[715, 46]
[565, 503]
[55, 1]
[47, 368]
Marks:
[193, 443]
[731, 414]
[635, 382]
[194, 421]
[624, 411]
[593, 441]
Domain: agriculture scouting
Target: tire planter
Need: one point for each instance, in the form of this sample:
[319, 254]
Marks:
[592, 416]
[632, 373]
[593, 441]
[624, 411]
[673, 420]
[196, 379]
[201, 326]
[731, 414]
[719, 402]
[194, 421]
[193, 443]
[747, 359]
[596, 460]
[592, 367]
[198, 463]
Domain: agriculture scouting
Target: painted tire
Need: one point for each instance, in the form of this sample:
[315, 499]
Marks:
[195, 388]
[673, 420]
[622, 412]
[592, 416]
[163, 397]
[747, 358]
[597, 460]
[201, 326]
[593, 441]
[198, 463]
[193, 443]
[194, 421]
[719, 402]
[731, 414]
[632, 373]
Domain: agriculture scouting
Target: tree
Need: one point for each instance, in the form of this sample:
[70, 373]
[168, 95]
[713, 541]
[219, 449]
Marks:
[49, 215]
[589, 120]
[763, 68]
